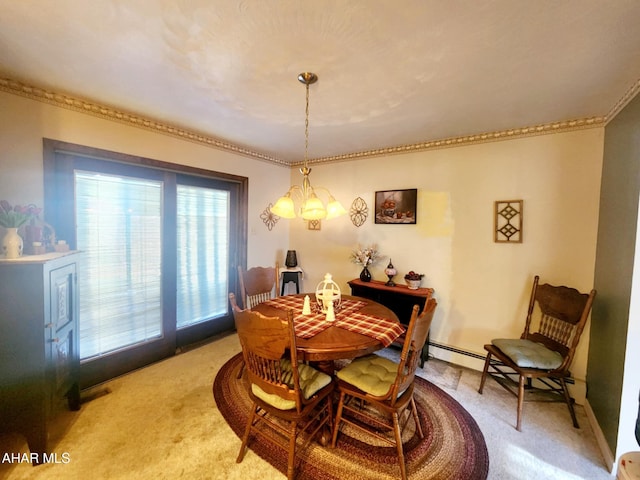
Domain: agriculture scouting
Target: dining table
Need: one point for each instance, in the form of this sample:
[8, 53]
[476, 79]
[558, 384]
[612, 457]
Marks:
[361, 326]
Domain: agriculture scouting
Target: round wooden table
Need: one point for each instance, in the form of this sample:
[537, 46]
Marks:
[335, 343]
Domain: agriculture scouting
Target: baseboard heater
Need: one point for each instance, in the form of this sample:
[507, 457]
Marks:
[475, 355]
[457, 350]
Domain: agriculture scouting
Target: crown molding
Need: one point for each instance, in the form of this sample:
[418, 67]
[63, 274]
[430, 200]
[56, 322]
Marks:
[91, 108]
[626, 98]
[546, 129]
[108, 113]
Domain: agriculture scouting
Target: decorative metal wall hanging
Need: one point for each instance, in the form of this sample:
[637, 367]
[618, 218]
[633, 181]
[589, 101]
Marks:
[268, 218]
[508, 221]
[358, 212]
[314, 225]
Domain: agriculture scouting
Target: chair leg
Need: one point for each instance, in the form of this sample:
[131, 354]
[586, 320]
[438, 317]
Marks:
[241, 371]
[324, 435]
[416, 419]
[331, 418]
[336, 423]
[245, 437]
[398, 435]
[484, 372]
[569, 401]
[520, 402]
[292, 450]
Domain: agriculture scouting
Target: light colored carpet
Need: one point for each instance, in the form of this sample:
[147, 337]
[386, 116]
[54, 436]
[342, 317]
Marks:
[548, 446]
[157, 423]
[161, 422]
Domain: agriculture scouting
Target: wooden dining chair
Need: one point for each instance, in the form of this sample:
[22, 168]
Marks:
[555, 320]
[258, 284]
[399, 342]
[234, 303]
[234, 309]
[387, 387]
[289, 397]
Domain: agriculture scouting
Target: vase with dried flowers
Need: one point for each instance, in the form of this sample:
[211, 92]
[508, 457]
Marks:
[12, 218]
[365, 257]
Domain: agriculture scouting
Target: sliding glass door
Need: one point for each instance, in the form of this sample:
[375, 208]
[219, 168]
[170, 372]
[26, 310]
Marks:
[160, 250]
[203, 254]
[119, 229]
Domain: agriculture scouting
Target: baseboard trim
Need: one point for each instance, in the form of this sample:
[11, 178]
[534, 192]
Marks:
[607, 455]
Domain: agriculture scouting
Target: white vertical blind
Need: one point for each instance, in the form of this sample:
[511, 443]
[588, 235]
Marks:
[119, 229]
[203, 253]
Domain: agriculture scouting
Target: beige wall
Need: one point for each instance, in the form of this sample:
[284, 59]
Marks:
[24, 123]
[482, 287]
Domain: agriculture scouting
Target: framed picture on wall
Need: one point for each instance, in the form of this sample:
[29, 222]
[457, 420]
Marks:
[396, 206]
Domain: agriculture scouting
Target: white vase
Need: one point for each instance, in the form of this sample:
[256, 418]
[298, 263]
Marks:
[12, 244]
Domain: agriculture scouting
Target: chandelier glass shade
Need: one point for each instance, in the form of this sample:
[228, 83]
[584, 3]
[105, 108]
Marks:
[311, 206]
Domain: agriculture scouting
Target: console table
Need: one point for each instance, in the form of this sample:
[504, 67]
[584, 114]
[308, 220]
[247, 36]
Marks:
[399, 298]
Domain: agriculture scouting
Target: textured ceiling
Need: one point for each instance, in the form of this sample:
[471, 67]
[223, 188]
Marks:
[390, 73]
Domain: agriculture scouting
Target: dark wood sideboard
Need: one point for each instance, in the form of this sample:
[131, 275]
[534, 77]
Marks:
[39, 360]
[398, 298]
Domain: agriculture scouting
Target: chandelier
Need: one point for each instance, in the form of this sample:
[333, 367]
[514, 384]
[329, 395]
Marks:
[311, 207]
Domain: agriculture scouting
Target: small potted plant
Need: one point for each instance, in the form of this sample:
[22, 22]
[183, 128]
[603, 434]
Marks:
[12, 218]
[413, 280]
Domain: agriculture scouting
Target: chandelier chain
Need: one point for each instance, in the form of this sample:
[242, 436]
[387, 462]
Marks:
[306, 128]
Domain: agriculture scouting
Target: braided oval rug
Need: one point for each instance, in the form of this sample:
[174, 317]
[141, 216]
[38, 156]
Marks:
[452, 448]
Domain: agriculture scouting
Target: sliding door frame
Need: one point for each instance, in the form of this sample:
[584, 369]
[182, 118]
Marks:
[59, 160]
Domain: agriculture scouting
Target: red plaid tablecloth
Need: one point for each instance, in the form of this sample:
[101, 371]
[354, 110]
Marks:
[347, 317]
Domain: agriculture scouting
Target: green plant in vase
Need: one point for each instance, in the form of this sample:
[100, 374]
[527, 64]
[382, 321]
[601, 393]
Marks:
[12, 218]
[15, 217]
